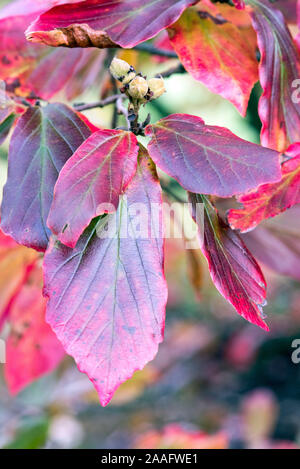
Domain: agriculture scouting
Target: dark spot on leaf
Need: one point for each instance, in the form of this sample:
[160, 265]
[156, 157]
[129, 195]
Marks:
[5, 60]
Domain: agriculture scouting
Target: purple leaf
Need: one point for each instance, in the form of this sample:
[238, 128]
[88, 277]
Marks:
[279, 71]
[104, 23]
[97, 173]
[107, 296]
[43, 140]
[208, 159]
[232, 267]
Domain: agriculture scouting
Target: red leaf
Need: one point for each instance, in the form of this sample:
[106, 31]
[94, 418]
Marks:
[32, 349]
[213, 54]
[16, 54]
[107, 296]
[73, 70]
[43, 140]
[270, 199]
[208, 159]
[98, 173]
[104, 23]
[162, 42]
[276, 243]
[239, 4]
[30, 7]
[279, 109]
[233, 269]
[90, 125]
[40, 69]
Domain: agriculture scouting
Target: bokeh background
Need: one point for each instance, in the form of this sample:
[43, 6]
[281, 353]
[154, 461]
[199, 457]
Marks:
[217, 381]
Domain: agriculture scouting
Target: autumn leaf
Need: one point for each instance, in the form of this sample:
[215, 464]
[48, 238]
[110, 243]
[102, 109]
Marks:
[233, 269]
[270, 199]
[279, 107]
[213, 53]
[98, 173]
[276, 243]
[43, 140]
[72, 71]
[39, 69]
[208, 159]
[16, 54]
[32, 349]
[240, 4]
[288, 8]
[107, 296]
[106, 23]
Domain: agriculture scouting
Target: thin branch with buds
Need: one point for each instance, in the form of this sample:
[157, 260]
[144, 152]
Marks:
[104, 102]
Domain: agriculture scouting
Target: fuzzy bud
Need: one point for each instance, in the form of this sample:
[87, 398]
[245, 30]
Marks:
[157, 87]
[122, 71]
[138, 88]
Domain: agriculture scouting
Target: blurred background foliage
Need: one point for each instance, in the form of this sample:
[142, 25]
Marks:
[217, 381]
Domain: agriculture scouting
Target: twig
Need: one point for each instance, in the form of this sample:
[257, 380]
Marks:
[114, 120]
[104, 102]
[122, 110]
[150, 49]
[171, 71]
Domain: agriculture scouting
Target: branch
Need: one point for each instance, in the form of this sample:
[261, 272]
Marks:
[104, 102]
[171, 71]
[122, 110]
[150, 49]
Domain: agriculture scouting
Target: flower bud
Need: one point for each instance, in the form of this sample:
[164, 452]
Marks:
[122, 71]
[157, 87]
[138, 88]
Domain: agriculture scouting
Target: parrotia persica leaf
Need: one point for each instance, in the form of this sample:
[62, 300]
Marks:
[232, 267]
[279, 72]
[91, 182]
[270, 199]
[208, 159]
[43, 140]
[105, 23]
[107, 296]
[221, 56]
[32, 348]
